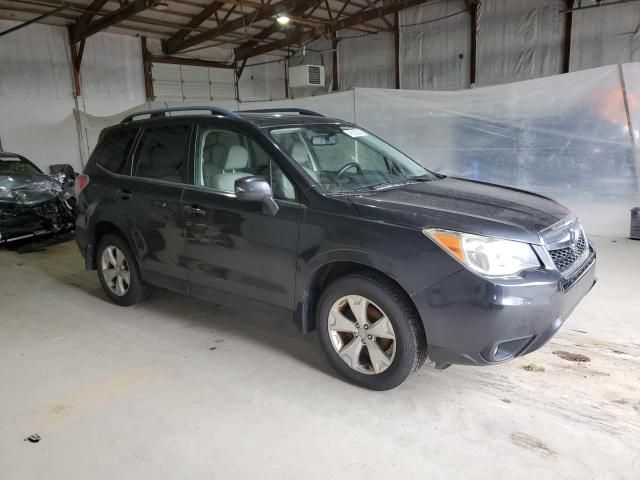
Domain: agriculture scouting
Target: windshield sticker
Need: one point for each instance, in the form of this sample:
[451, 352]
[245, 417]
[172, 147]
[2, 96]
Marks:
[355, 132]
[10, 159]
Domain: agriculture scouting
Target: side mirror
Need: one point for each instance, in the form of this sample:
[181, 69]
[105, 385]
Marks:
[63, 172]
[256, 189]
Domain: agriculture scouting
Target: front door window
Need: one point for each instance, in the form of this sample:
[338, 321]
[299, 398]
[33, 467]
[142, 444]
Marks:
[223, 156]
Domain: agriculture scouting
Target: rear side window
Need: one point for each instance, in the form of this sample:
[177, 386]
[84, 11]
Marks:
[162, 153]
[112, 152]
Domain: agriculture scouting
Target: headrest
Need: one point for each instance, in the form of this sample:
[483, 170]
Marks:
[237, 158]
[299, 153]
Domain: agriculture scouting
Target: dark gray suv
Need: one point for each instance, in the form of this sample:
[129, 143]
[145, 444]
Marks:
[317, 219]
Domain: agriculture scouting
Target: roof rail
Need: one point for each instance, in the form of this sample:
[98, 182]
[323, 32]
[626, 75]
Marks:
[301, 111]
[162, 112]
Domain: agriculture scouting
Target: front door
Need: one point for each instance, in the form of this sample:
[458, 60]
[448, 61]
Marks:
[154, 201]
[235, 253]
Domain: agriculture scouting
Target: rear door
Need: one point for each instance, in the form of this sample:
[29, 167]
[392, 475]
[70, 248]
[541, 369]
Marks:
[235, 253]
[153, 201]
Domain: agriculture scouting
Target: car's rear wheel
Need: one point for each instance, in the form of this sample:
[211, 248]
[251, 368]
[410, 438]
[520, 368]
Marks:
[118, 272]
[370, 331]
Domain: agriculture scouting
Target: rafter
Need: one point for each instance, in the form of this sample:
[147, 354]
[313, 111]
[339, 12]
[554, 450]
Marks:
[301, 36]
[195, 62]
[273, 28]
[204, 14]
[237, 23]
[86, 17]
[81, 32]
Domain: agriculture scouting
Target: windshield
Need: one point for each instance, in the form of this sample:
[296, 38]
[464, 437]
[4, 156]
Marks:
[343, 158]
[16, 166]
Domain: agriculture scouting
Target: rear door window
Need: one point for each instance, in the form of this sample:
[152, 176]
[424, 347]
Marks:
[162, 153]
[113, 151]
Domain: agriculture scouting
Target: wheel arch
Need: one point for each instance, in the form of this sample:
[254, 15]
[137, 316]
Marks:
[102, 228]
[321, 276]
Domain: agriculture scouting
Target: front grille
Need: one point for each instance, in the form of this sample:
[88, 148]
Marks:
[565, 258]
[577, 275]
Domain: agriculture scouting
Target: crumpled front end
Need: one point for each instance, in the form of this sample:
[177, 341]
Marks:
[32, 207]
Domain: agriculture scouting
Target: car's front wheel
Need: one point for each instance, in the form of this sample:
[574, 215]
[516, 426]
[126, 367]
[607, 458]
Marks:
[118, 272]
[370, 331]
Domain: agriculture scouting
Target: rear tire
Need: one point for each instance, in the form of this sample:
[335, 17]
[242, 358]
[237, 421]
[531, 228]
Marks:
[118, 272]
[370, 331]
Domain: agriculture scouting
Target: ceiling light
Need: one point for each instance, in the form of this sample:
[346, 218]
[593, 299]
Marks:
[161, 6]
[283, 19]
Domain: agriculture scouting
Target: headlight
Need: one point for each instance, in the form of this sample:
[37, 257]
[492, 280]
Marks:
[6, 194]
[486, 255]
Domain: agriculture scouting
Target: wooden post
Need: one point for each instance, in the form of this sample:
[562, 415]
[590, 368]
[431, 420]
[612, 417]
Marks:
[473, 12]
[568, 23]
[146, 69]
[335, 79]
[396, 41]
[76, 61]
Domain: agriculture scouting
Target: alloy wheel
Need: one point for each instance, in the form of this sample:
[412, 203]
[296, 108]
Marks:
[115, 270]
[362, 334]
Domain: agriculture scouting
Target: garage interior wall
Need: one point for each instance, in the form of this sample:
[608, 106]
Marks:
[36, 89]
[37, 102]
[516, 40]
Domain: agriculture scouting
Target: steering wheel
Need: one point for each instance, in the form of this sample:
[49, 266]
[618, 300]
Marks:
[346, 168]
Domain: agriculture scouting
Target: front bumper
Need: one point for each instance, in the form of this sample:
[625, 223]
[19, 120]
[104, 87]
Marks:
[21, 222]
[471, 320]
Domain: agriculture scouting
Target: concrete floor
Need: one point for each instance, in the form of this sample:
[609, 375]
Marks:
[180, 389]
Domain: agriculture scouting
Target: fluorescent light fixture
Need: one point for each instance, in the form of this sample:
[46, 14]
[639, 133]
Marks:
[283, 19]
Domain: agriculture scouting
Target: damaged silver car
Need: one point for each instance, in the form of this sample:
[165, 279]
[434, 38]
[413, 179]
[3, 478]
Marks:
[32, 204]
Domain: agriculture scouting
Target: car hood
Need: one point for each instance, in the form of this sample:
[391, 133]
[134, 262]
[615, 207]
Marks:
[28, 189]
[463, 205]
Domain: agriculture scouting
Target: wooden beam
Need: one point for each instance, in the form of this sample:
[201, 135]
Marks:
[301, 36]
[89, 13]
[371, 4]
[240, 69]
[270, 30]
[328, 8]
[243, 21]
[76, 7]
[204, 15]
[342, 9]
[123, 13]
[335, 78]
[34, 20]
[396, 44]
[76, 60]
[568, 23]
[472, 7]
[146, 66]
[193, 62]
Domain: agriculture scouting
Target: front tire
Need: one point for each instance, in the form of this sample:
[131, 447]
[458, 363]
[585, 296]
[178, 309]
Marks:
[118, 272]
[370, 331]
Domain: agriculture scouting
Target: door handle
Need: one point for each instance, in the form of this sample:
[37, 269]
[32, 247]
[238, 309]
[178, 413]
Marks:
[125, 194]
[195, 211]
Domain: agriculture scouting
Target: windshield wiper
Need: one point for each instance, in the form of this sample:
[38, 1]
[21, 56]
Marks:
[377, 186]
[417, 178]
[421, 178]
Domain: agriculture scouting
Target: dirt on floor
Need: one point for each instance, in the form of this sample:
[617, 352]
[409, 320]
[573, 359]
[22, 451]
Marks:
[177, 388]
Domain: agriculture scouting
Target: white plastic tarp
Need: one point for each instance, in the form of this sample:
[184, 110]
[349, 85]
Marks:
[565, 136]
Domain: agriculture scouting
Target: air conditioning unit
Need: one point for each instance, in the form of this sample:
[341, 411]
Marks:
[306, 76]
